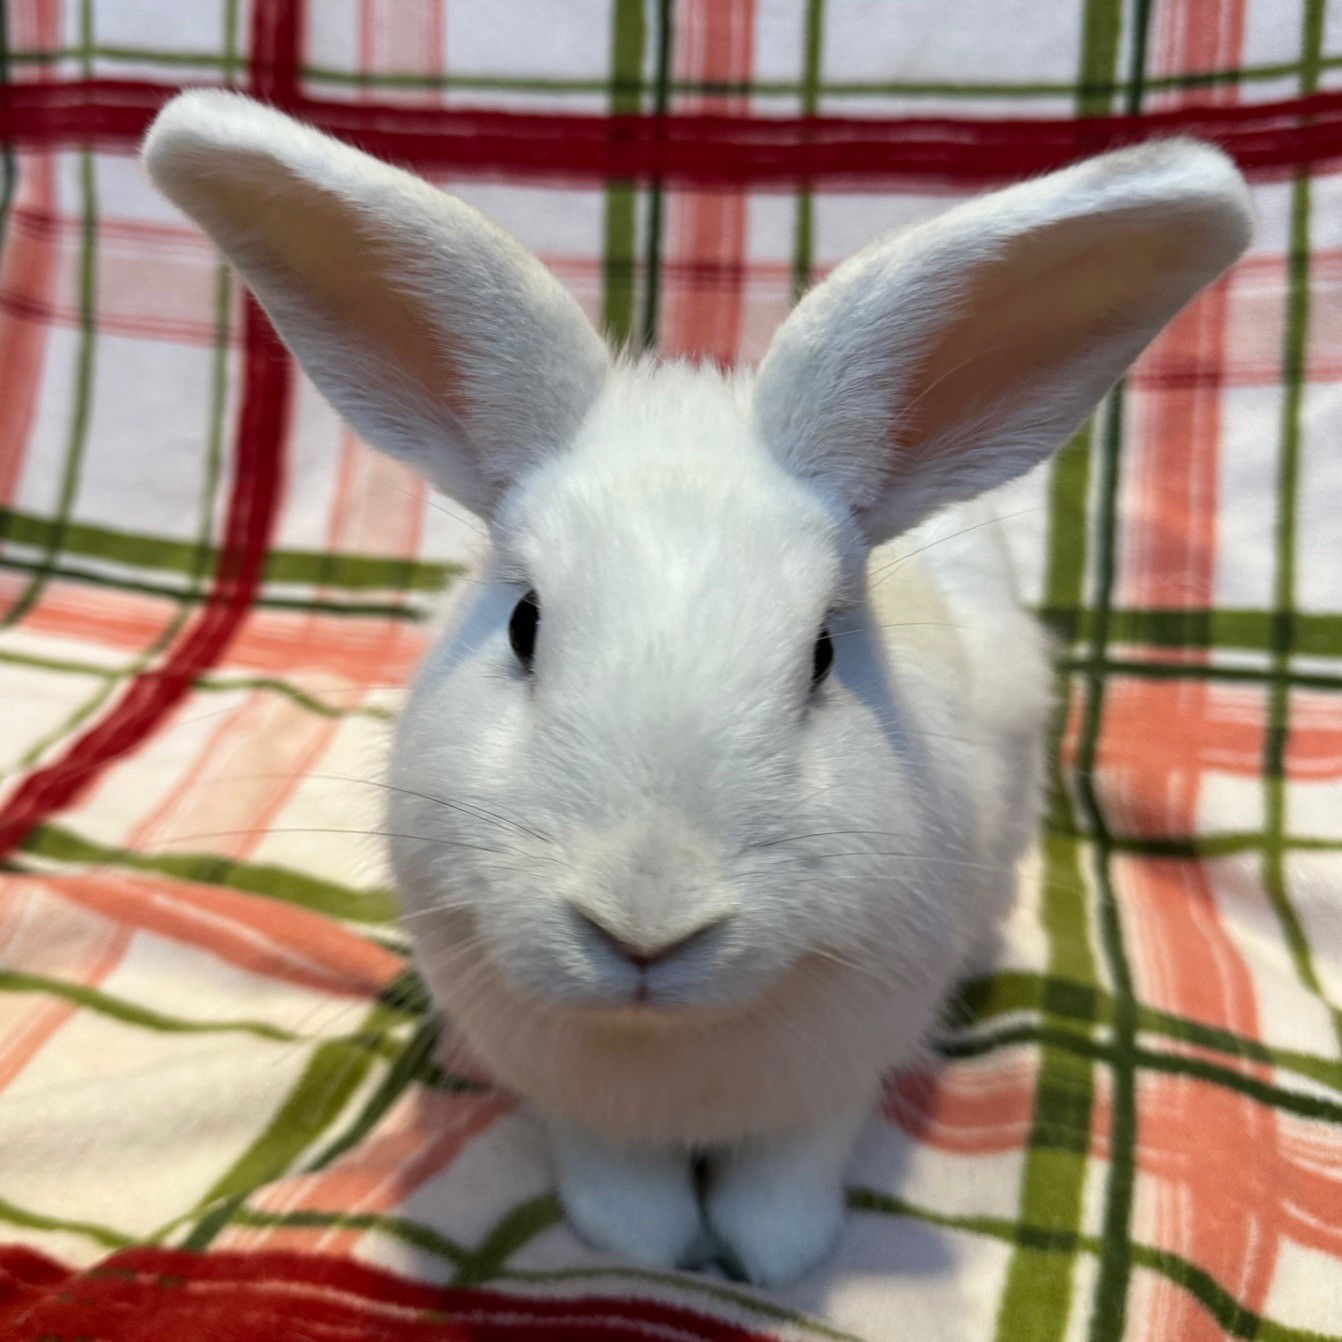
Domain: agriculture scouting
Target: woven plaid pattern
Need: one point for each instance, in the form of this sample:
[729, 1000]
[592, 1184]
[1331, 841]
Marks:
[223, 1108]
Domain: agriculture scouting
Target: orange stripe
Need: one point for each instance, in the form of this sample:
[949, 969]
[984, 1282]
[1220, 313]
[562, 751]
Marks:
[29, 268]
[245, 774]
[280, 643]
[363, 652]
[112, 619]
[1211, 1157]
[29, 273]
[707, 229]
[1172, 534]
[80, 949]
[258, 934]
[978, 1109]
[420, 1137]
[1311, 1185]
[1216, 1194]
[1197, 37]
[1152, 779]
[378, 508]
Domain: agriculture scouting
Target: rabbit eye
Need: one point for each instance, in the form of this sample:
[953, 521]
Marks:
[822, 658]
[522, 628]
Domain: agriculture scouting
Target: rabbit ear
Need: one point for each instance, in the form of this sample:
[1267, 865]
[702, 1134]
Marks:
[439, 337]
[949, 359]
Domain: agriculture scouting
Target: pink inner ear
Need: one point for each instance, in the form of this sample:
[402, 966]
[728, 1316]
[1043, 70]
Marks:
[317, 247]
[1039, 311]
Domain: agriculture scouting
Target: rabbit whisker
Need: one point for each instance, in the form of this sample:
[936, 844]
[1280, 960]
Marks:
[468, 808]
[875, 577]
[336, 829]
[821, 834]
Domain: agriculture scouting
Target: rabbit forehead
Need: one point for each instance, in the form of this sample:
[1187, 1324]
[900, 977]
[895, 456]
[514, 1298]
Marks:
[668, 487]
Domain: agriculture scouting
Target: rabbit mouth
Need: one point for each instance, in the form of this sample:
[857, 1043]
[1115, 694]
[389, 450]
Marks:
[643, 1011]
[649, 1015]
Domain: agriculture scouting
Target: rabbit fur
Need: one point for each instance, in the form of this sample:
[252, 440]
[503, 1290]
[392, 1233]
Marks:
[689, 905]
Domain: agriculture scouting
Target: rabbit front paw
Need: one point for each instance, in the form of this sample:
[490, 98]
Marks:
[640, 1205]
[775, 1206]
[772, 1235]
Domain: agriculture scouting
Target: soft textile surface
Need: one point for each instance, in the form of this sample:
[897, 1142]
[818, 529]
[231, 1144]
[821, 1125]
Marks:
[222, 1112]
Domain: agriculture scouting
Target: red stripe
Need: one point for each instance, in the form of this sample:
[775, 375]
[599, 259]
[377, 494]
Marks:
[25, 1277]
[151, 696]
[252, 507]
[18, 1263]
[165, 1295]
[276, 44]
[1267, 139]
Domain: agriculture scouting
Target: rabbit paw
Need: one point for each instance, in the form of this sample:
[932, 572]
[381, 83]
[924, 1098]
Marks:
[775, 1206]
[772, 1235]
[640, 1205]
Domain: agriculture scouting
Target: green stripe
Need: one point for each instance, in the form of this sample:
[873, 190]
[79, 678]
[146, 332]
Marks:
[627, 42]
[521, 1225]
[325, 606]
[204, 558]
[404, 1071]
[1318, 635]
[323, 1093]
[66, 727]
[1285, 640]
[196, 568]
[618, 271]
[308, 701]
[1083, 91]
[1234, 1317]
[65, 666]
[108, 1238]
[82, 391]
[1069, 490]
[1243, 675]
[129, 1013]
[1036, 1299]
[64, 730]
[1312, 60]
[1101, 22]
[230, 65]
[112, 52]
[1137, 85]
[1064, 1125]
[60, 665]
[1097, 89]
[803, 241]
[9, 163]
[407, 993]
[1037, 1293]
[349, 572]
[1111, 1289]
[334, 1073]
[1199, 847]
[661, 102]
[282, 883]
[1069, 1000]
[398, 1227]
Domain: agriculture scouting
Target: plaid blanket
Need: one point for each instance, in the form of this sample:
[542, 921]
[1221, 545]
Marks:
[224, 1108]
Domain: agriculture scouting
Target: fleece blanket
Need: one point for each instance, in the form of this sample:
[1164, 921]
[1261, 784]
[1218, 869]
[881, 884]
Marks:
[225, 1108]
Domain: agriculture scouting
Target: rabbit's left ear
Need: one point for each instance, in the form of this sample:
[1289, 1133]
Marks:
[439, 337]
[951, 358]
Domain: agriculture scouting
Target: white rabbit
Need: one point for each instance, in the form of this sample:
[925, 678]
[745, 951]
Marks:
[682, 884]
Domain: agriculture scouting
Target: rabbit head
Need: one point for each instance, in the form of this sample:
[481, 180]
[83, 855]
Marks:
[662, 762]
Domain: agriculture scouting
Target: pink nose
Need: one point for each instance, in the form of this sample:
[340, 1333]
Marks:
[643, 956]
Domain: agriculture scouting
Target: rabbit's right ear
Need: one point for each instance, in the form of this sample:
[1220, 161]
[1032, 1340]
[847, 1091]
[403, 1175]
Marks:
[439, 337]
[946, 360]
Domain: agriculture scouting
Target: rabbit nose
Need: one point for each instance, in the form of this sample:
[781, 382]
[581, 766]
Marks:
[643, 955]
